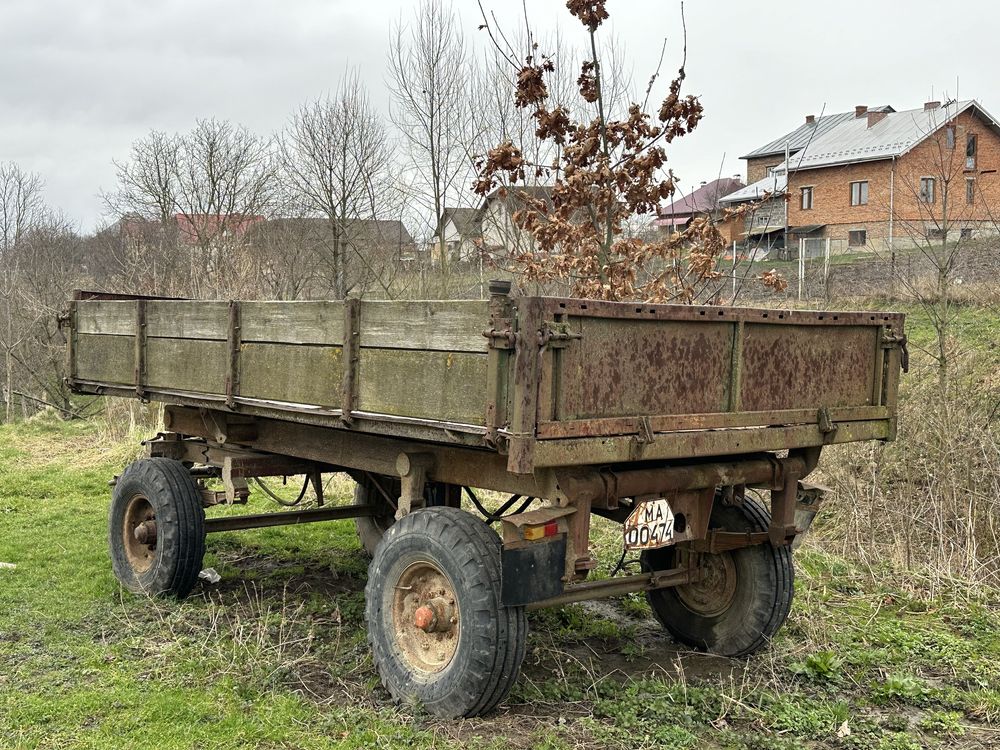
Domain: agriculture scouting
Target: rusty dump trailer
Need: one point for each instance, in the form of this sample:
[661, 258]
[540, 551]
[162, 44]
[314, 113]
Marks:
[671, 420]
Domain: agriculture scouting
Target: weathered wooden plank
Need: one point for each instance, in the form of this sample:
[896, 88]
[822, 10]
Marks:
[307, 322]
[105, 358]
[299, 374]
[107, 317]
[187, 319]
[445, 386]
[436, 326]
[195, 365]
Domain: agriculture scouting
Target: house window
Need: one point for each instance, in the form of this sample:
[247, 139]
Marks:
[859, 193]
[807, 198]
[949, 136]
[966, 234]
[970, 190]
[937, 233]
[926, 189]
[970, 151]
[857, 238]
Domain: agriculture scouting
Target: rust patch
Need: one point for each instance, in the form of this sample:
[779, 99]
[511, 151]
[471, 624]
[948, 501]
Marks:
[624, 368]
[795, 367]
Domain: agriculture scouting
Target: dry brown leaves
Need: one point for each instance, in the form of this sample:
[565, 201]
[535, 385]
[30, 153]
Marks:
[607, 172]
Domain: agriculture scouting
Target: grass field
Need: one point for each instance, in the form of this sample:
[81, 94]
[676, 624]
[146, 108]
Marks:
[274, 656]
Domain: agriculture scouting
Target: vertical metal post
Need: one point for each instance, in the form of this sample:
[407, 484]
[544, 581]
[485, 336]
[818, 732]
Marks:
[235, 343]
[734, 271]
[140, 348]
[498, 360]
[527, 374]
[351, 355]
[802, 263]
[826, 265]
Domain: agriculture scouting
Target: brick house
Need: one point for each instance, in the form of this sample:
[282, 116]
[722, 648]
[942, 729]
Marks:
[704, 201]
[885, 179]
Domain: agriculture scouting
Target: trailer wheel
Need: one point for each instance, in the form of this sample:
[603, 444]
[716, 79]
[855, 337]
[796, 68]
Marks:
[438, 631]
[156, 529]
[372, 528]
[743, 597]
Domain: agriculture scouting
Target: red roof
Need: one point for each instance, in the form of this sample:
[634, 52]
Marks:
[703, 200]
[209, 226]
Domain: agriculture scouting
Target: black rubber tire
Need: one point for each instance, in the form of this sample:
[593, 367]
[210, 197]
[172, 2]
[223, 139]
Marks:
[761, 601]
[492, 637]
[180, 528]
[371, 528]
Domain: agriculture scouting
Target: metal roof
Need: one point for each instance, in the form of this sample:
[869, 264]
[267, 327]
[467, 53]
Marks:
[772, 184]
[893, 135]
[703, 200]
[805, 132]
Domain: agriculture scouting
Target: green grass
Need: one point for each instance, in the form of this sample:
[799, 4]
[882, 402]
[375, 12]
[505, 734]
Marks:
[275, 656]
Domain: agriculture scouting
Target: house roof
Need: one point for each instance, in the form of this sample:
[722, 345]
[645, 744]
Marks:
[543, 192]
[703, 200]
[357, 231]
[379, 231]
[774, 183]
[468, 221]
[798, 138]
[893, 135]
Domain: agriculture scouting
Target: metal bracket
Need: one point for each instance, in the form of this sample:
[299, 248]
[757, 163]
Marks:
[413, 469]
[237, 490]
[892, 340]
[826, 424]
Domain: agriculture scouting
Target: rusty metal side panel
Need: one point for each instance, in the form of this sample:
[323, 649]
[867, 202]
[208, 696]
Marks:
[798, 367]
[622, 368]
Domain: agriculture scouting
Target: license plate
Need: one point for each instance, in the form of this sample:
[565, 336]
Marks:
[650, 525]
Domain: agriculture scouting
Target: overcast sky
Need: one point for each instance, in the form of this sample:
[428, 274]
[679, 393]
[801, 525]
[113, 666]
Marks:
[81, 79]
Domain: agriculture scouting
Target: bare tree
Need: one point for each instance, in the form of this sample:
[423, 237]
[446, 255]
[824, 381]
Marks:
[226, 182]
[190, 200]
[337, 159]
[21, 208]
[428, 75]
[20, 203]
[36, 277]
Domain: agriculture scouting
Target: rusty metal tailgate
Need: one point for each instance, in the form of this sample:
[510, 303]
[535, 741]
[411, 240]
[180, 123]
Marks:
[718, 379]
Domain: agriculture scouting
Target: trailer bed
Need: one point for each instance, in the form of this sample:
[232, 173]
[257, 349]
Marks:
[545, 381]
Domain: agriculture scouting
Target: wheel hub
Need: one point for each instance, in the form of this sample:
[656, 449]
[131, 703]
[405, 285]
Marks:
[715, 588]
[427, 618]
[139, 534]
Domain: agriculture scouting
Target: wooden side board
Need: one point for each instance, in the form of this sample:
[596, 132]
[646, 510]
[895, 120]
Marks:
[424, 360]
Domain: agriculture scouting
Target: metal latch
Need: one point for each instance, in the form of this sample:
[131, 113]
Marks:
[556, 335]
[890, 340]
[505, 339]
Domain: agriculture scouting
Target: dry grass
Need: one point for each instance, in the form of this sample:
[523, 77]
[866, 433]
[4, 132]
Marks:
[931, 500]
